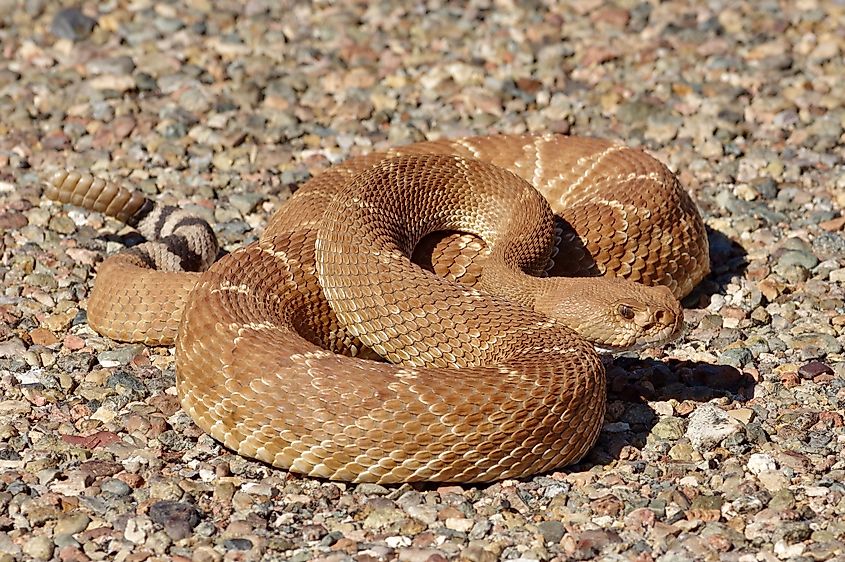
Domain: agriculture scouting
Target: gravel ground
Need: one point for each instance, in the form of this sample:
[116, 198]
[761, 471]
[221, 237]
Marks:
[726, 445]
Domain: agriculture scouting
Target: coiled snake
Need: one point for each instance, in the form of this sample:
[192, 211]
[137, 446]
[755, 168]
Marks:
[279, 343]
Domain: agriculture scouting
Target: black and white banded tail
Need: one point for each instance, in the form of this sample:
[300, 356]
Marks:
[177, 239]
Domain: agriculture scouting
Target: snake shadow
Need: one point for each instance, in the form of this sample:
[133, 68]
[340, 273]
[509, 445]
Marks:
[728, 260]
[634, 383]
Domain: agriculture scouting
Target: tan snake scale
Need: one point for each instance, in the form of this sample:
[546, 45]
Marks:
[276, 343]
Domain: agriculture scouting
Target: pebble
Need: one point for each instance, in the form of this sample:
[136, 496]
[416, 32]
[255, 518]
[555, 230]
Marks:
[177, 518]
[743, 415]
[117, 357]
[72, 524]
[552, 531]
[39, 547]
[670, 428]
[237, 544]
[813, 369]
[801, 258]
[368, 489]
[782, 500]
[460, 524]
[736, 357]
[761, 462]
[115, 487]
[708, 425]
[111, 65]
[773, 480]
[71, 23]
[137, 530]
[420, 555]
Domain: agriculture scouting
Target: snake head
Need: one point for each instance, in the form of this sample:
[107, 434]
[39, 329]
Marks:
[649, 317]
[618, 315]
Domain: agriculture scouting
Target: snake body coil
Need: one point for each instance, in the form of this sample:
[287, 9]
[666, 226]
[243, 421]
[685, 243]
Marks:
[492, 369]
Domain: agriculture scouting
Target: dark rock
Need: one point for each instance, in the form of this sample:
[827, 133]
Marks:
[177, 518]
[813, 369]
[71, 23]
[237, 544]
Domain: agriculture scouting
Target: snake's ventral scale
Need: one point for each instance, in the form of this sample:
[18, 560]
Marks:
[429, 312]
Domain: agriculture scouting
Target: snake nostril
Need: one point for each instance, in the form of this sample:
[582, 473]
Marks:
[660, 317]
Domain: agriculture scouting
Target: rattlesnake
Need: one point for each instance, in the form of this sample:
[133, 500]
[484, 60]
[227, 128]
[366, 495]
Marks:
[277, 342]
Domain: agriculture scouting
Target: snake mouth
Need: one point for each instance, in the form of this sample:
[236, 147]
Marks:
[663, 336]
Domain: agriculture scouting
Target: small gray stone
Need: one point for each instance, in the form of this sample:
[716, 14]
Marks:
[12, 347]
[145, 82]
[71, 23]
[62, 541]
[33, 7]
[102, 111]
[382, 514]
[419, 554]
[663, 128]
[635, 112]
[62, 224]
[757, 344]
[782, 500]
[168, 25]
[638, 414]
[480, 529]
[736, 357]
[176, 441]
[705, 501]
[368, 489]
[237, 544]
[800, 258]
[111, 65]
[42, 280]
[126, 380]
[425, 513]
[793, 532]
[121, 356]
[245, 202]
[116, 487]
[552, 531]
[815, 345]
[796, 243]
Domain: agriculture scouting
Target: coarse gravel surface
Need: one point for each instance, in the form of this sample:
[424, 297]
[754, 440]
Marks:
[726, 445]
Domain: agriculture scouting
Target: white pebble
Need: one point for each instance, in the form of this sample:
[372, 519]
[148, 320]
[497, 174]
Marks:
[784, 551]
[397, 541]
[708, 425]
[816, 491]
[760, 462]
[662, 408]
[136, 530]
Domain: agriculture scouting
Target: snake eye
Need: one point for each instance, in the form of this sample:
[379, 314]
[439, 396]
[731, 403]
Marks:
[626, 312]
